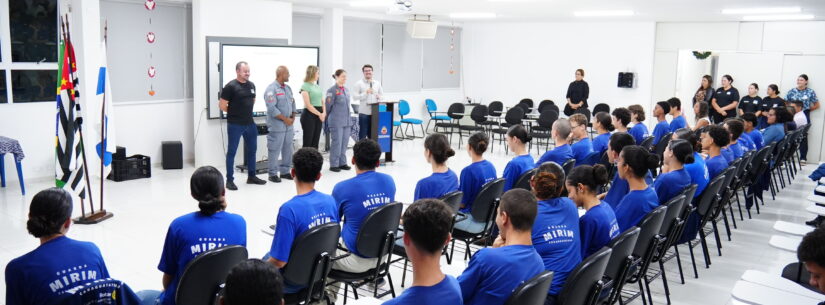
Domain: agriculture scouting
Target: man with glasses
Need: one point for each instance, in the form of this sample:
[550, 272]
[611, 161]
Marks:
[367, 92]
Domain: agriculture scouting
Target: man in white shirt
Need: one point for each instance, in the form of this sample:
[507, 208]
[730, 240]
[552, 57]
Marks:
[367, 91]
[799, 116]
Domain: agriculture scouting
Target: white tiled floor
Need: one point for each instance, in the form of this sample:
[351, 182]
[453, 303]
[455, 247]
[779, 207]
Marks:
[131, 241]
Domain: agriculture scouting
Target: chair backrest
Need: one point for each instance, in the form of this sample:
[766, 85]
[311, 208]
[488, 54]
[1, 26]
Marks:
[484, 203]
[525, 108]
[532, 291]
[709, 194]
[585, 112]
[495, 108]
[601, 107]
[403, 108]
[101, 292]
[583, 284]
[453, 200]
[544, 104]
[662, 145]
[514, 115]
[527, 101]
[456, 111]
[674, 207]
[647, 143]
[431, 106]
[375, 227]
[689, 193]
[649, 226]
[554, 107]
[547, 118]
[622, 256]
[758, 162]
[203, 276]
[310, 255]
[592, 158]
[479, 113]
[568, 166]
[523, 181]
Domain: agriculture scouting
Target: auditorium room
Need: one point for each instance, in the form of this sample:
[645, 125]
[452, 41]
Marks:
[366, 152]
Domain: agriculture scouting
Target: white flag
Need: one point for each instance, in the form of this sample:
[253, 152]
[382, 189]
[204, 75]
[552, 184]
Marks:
[106, 127]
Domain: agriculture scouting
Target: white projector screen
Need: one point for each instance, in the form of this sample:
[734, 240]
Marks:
[263, 61]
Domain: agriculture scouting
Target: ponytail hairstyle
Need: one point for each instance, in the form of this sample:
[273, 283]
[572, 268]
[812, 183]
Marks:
[755, 86]
[688, 135]
[548, 181]
[519, 132]
[605, 120]
[207, 188]
[49, 210]
[682, 150]
[639, 160]
[439, 148]
[478, 142]
[775, 88]
[729, 78]
[338, 73]
[589, 176]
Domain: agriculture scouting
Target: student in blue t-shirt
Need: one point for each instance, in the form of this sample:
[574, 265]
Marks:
[621, 118]
[603, 126]
[634, 163]
[582, 147]
[198, 232]
[639, 130]
[777, 117]
[675, 177]
[253, 282]
[556, 230]
[443, 180]
[714, 138]
[517, 138]
[494, 272]
[357, 198]
[562, 152]
[598, 226]
[476, 175]
[697, 170]
[427, 226]
[618, 186]
[750, 122]
[678, 121]
[44, 275]
[309, 208]
[735, 127]
[662, 127]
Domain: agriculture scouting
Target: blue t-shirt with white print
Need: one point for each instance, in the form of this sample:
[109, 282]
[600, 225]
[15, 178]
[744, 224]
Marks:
[473, 177]
[301, 213]
[357, 197]
[436, 185]
[493, 273]
[556, 238]
[639, 132]
[597, 227]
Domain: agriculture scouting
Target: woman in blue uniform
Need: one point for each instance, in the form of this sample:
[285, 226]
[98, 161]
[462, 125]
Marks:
[443, 180]
[338, 121]
[633, 165]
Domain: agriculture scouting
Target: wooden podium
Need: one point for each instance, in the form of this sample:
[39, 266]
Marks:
[381, 125]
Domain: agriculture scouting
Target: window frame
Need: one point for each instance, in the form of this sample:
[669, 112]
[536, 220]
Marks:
[6, 64]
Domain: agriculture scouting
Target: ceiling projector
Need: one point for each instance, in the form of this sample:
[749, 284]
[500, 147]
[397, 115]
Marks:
[400, 7]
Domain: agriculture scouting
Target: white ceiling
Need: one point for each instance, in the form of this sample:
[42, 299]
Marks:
[562, 10]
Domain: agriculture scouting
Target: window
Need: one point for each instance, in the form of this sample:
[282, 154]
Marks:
[33, 29]
[33, 85]
[3, 91]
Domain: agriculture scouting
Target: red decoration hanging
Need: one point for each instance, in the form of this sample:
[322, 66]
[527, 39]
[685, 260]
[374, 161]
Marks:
[150, 37]
[149, 4]
[152, 72]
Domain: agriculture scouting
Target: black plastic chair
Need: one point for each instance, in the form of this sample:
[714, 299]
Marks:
[697, 221]
[718, 209]
[527, 102]
[523, 181]
[456, 113]
[659, 148]
[376, 239]
[568, 166]
[479, 116]
[513, 117]
[494, 111]
[584, 284]
[758, 166]
[532, 291]
[544, 104]
[203, 276]
[483, 211]
[309, 263]
[601, 107]
[645, 249]
[541, 132]
[621, 260]
[648, 143]
[669, 224]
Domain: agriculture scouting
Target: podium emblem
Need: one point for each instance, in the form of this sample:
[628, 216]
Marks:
[384, 130]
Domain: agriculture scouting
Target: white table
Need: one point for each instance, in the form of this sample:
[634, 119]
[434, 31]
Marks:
[822, 180]
[819, 200]
[816, 209]
[820, 188]
[780, 283]
[759, 294]
[792, 228]
[785, 243]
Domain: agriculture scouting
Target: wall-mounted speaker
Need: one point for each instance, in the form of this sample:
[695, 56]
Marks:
[625, 79]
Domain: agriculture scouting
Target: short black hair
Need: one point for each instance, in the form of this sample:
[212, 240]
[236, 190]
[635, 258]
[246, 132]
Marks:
[622, 114]
[812, 247]
[640, 160]
[805, 76]
[619, 140]
[675, 103]
[736, 127]
[720, 135]
[207, 187]
[782, 114]
[49, 210]
[367, 66]
[307, 163]
[253, 282]
[428, 223]
[239, 65]
[690, 136]
[665, 106]
[520, 205]
[797, 103]
[750, 117]
[366, 153]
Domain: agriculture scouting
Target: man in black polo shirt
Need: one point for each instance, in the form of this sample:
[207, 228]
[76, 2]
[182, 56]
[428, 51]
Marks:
[237, 99]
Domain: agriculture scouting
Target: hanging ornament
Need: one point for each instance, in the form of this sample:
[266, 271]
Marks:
[150, 37]
[151, 91]
[152, 72]
[452, 49]
[149, 4]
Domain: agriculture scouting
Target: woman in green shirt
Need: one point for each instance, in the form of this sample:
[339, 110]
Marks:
[312, 119]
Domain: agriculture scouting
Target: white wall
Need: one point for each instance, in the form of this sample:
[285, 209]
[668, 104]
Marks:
[511, 61]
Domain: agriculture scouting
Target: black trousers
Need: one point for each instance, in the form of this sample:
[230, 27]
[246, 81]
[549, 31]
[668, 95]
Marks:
[311, 125]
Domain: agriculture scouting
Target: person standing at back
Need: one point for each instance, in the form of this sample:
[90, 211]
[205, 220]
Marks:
[562, 152]
[443, 180]
[494, 272]
[315, 111]
[237, 100]
[367, 92]
[771, 101]
[582, 146]
[637, 116]
[705, 91]
[809, 103]
[577, 93]
[724, 101]
[678, 120]
[338, 121]
[752, 102]
[662, 127]
[517, 137]
[280, 117]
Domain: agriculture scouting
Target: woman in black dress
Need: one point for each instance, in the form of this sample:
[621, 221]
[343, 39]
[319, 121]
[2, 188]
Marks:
[724, 101]
[577, 94]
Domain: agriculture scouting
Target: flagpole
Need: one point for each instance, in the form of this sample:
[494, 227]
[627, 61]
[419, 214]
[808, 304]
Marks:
[65, 40]
[103, 122]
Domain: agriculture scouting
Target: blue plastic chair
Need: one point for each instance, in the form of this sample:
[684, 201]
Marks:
[404, 109]
[19, 173]
[432, 109]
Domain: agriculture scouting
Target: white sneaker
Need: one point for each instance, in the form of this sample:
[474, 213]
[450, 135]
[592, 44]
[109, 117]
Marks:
[269, 230]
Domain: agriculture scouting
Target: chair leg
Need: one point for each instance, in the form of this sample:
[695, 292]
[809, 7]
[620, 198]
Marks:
[739, 205]
[389, 281]
[693, 261]
[732, 215]
[19, 176]
[679, 263]
[705, 251]
[664, 281]
[725, 218]
[2, 171]
[404, 273]
[642, 292]
[716, 236]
